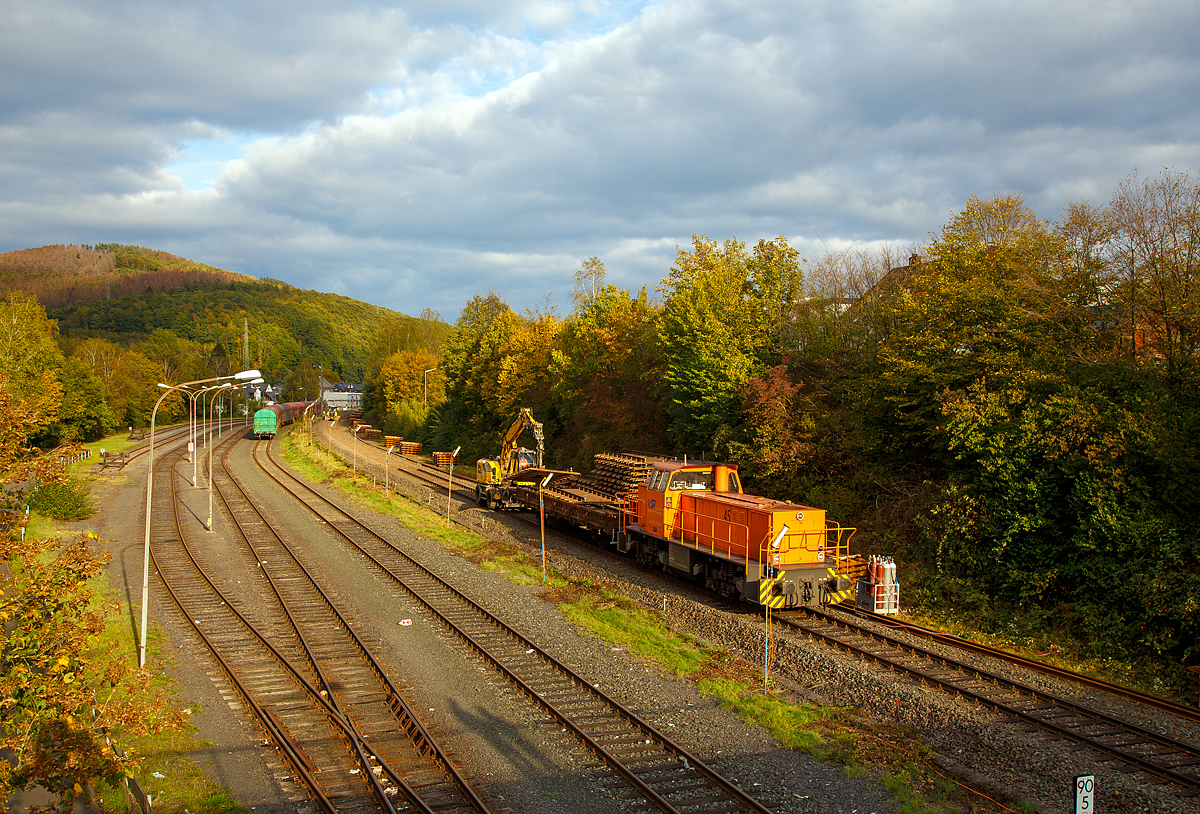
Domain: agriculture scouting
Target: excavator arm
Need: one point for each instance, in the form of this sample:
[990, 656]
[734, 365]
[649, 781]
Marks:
[507, 463]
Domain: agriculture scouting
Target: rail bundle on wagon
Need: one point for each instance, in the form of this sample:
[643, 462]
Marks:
[691, 518]
[269, 420]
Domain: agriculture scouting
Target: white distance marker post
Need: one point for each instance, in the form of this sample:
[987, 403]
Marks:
[449, 478]
[542, 510]
[1085, 794]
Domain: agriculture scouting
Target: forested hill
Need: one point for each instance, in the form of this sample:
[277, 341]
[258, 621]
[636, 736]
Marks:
[127, 293]
[59, 275]
[283, 323]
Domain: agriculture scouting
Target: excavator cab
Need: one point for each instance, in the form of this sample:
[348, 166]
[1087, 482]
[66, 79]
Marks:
[526, 458]
[487, 471]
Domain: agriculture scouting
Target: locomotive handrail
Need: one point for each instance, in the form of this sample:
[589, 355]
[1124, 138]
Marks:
[707, 541]
[842, 550]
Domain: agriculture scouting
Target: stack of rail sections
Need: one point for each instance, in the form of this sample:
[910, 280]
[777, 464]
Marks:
[613, 477]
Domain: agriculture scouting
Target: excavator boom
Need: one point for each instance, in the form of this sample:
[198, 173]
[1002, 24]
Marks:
[508, 462]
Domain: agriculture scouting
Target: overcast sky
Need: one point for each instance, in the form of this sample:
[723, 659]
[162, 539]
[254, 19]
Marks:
[414, 154]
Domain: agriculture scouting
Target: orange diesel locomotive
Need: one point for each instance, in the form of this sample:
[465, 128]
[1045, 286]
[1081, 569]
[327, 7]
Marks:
[692, 519]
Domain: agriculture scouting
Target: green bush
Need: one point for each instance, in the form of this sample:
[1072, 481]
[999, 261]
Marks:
[69, 500]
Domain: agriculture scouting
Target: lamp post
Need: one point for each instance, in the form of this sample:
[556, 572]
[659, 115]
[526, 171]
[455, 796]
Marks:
[199, 431]
[183, 388]
[449, 478]
[210, 446]
[192, 394]
[306, 421]
[425, 376]
[245, 374]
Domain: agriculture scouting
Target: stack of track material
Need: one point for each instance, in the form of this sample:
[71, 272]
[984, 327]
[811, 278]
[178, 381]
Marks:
[443, 459]
[392, 440]
[351, 416]
[595, 500]
[368, 434]
[615, 475]
[410, 448]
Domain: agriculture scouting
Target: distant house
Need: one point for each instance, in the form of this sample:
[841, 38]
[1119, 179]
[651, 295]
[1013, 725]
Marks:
[341, 395]
[266, 393]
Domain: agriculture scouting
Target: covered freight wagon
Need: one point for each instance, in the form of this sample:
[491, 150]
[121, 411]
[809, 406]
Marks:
[269, 420]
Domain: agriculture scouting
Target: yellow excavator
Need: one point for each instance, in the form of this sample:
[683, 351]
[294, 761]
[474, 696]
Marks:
[494, 475]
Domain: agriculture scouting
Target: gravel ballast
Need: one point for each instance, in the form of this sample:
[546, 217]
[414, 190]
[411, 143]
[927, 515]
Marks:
[525, 764]
[1009, 761]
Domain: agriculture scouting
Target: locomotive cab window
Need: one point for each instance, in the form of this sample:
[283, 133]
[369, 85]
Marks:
[692, 480]
[658, 482]
[734, 485]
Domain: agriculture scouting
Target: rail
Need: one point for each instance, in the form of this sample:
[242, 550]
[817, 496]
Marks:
[636, 751]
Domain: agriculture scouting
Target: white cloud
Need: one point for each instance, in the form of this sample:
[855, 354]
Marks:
[414, 154]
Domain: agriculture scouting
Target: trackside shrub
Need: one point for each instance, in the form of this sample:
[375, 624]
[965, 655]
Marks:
[66, 500]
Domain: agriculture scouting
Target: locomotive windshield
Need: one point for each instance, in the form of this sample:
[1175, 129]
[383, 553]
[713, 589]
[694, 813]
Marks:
[658, 481]
[692, 480]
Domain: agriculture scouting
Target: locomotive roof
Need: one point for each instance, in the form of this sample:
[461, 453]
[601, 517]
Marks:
[757, 500]
[671, 466]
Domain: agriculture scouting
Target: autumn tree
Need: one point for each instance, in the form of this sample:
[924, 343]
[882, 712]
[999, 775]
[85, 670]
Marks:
[59, 690]
[472, 359]
[589, 279]
[127, 377]
[726, 314]
[30, 365]
[1157, 243]
[403, 391]
[975, 308]
[303, 382]
[607, 379]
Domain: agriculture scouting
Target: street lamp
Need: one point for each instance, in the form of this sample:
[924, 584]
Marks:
[198, 432]
[225, 386]
[425, 376]
[243, 376]
[306, 421]
[193, 446]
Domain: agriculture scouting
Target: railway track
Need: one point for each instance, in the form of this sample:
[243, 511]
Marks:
[665, 775]
[346, 731]
[1160, 758]
[1033, 665]
[164, 439]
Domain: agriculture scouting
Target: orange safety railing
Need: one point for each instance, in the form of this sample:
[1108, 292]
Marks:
[837, 548]
[835, 538]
